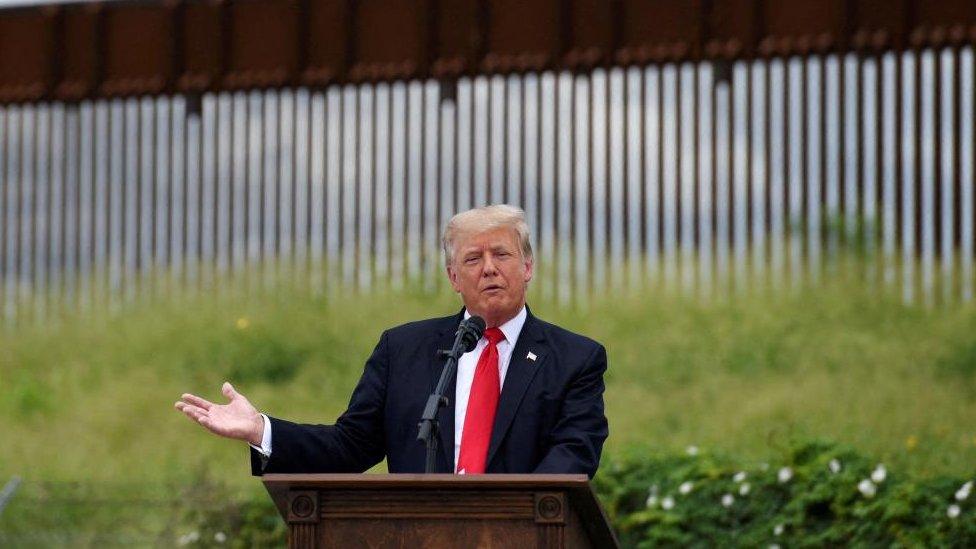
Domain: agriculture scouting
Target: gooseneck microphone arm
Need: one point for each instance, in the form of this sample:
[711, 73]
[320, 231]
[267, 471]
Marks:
[469, 332]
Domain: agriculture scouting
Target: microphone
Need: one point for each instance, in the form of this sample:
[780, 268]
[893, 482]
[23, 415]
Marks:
[466, 338]
[468, 333]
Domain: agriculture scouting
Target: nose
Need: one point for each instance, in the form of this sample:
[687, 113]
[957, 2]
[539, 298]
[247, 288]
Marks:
[488, 267]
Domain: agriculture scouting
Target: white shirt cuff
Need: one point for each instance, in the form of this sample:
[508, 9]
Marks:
[265, 448]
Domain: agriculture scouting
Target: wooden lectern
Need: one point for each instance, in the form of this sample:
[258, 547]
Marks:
[440, 510]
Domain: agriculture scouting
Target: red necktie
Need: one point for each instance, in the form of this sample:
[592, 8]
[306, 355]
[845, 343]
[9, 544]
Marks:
[482, 403]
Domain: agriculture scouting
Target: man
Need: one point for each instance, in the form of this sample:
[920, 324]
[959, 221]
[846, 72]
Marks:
[527, 399]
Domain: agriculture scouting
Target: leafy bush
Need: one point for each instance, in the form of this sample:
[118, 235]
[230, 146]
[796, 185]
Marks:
[214, 517]
[821, 494]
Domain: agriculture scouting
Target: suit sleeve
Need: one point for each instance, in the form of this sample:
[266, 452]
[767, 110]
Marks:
[579, 433]
[354, 444]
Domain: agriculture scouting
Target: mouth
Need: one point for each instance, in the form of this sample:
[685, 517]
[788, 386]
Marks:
[492, 288]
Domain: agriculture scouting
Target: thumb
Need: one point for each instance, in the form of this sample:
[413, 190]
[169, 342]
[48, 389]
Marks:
[228, 390]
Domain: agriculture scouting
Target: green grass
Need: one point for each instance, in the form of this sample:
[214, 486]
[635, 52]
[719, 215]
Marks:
[90, 398]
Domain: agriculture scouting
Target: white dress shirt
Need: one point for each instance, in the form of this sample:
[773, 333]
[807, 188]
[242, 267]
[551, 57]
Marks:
[469, 362]
[465, 377]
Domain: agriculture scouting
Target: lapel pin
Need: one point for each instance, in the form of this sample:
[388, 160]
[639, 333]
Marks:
[530, 356]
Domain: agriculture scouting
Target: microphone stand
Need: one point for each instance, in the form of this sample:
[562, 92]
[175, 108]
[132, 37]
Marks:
[429, 426]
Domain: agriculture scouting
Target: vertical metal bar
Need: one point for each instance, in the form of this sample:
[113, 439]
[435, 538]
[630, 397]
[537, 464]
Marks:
[758, 178]
[399, 132]
[366, 186]
[415, 179]
[301, 192]
[815, 225]
[925, 203]
[5, 224]
[947, 178]
[634, 146]
[695, 192]
[45, 241]
[705, 179]
[935, 205]
[100, 157]
[957, 91]
[687, 160]
[380, 168]
[713, 161]
[738, 170]
[316, 153]
[566, 173]
[25, 209]
[41, 220]
[777, 138]
[268, 212]
[723, 178]
[616, 169]
[193, 193]
[967, 196]
[669, 171]
[870, 163]
[879, 150]
[284, 195]
[178, 189]
[597, 202]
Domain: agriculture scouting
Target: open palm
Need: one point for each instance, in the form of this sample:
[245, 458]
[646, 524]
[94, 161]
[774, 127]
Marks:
[238, 419]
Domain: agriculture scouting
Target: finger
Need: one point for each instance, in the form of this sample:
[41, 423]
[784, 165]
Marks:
[229, 391]
[194, 400]
[193, 412]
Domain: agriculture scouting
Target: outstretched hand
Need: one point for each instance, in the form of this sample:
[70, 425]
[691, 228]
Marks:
[237, 419]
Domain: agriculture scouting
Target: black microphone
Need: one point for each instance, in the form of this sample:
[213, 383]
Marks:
[466, 338]
[468, 333]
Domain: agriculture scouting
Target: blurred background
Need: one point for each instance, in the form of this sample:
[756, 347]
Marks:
[764, 209]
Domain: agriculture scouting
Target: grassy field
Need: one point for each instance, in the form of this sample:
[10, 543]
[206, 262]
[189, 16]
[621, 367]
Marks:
[91, 398]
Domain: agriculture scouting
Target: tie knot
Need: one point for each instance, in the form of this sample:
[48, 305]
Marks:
[494, 335]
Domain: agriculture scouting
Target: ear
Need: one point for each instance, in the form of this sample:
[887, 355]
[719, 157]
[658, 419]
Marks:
[528, 270]
[452, 276]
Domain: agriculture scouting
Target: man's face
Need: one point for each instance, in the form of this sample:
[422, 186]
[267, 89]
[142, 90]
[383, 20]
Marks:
[490, 273]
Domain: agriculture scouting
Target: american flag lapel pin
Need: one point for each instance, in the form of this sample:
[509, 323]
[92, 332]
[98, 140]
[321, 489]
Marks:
[530, 356]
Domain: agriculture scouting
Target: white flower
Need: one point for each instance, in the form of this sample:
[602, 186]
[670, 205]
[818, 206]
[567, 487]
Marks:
[686, 487]
[774, 546]
[652, 490]
[667, 503]
[879, 474]
[784, 475]
[692, 451]
[187, 539]
[834, 466]
[220, 537]
[728, 500]
[953, 511]
[651, 501]
[778, 529]
[739, 477]
[963, 493]
[867, 488]
[744, 489]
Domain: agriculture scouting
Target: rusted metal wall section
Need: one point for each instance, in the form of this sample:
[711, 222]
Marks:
[72, 52]
[729, 145]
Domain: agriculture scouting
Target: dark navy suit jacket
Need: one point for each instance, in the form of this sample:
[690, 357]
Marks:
[550, 415]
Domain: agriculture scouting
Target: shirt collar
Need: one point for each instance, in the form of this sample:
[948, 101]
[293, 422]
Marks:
[512, 328]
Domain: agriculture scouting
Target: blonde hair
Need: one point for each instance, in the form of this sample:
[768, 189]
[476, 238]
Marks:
[486, 218]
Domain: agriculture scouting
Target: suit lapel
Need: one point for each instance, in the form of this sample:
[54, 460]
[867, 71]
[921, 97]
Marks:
[521, 370]
[444, 340]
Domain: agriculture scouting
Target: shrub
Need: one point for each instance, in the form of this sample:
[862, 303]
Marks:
[821, 494]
